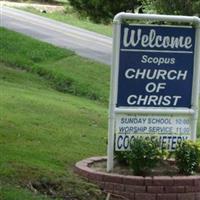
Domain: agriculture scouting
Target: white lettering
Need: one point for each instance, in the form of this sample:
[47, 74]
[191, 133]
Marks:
[159, 74]
[157, 60]
[153, 100]
[152, 39]
[150, 87]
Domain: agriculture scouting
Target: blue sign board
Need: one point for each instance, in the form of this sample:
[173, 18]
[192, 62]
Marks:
[155, 66]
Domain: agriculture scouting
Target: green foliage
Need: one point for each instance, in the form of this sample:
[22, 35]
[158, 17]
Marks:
[187, 157]
[144, 155]
[103, 10]
[175, 7]
[122, 157]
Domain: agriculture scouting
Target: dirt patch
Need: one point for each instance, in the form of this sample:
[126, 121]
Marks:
[59, 189]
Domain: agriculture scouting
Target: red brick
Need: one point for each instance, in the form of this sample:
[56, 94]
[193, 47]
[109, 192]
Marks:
[83, 173]
[148, 181]
[197, 196]
[86, 162]
[174, 189]
[113, 179]
[86, 169]
[79, 164]
[76, 169]
[184, 196]
[191, 188]
[95, 177]
[163, 181]
[155, 189]
[101, 184]
[109, 186]
[133, 180]
[166, 197]
[128, 195]
[133, 188]
[119, 187]
[132, 196]
[197, 188]
[197, 181]
[145, 196]
[184, 181]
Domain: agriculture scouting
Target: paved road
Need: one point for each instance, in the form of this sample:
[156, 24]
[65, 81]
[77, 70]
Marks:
[83, 42]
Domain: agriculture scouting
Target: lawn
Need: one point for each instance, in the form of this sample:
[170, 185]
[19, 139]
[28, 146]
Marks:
[53, 113]
[65, 71]
[44, 132]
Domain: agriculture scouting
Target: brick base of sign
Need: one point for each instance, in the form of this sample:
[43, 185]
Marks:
[122, 187]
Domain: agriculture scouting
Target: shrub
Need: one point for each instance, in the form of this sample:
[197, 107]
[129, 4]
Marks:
[187, 155]
[175, 7]
[122, 157]
[103, 10]
[144, 155]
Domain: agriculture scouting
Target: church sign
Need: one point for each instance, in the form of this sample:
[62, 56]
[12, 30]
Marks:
[154, 82]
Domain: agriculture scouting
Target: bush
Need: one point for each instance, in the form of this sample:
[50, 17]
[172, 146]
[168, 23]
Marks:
[103, 10]
[187, 155]
[175, 7]
[144, 155]
[122, 157]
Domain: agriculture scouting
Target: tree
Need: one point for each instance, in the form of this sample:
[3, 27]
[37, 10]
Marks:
[175, 7]
[103, 10]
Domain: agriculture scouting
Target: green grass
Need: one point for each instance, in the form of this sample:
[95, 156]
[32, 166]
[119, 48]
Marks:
[10, 192]
[72, 17]
[60, 67]
[43, 133]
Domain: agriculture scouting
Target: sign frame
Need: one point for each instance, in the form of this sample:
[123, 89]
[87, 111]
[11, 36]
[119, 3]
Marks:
[113, 110]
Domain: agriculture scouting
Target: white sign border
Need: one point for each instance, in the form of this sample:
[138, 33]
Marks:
[114, 77]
